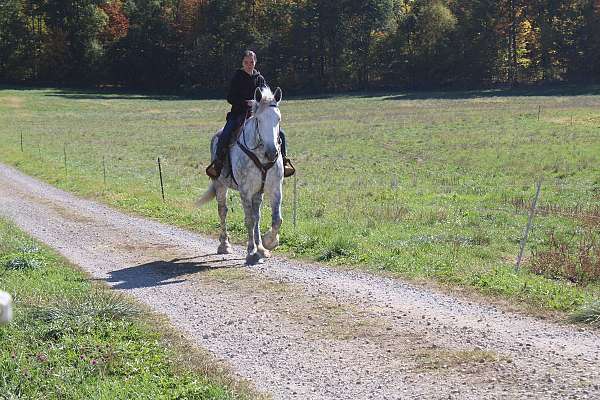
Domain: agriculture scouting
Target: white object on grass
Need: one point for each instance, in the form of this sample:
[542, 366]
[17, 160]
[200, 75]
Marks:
[5, 307]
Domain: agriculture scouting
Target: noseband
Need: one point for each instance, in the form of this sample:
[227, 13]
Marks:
[262, 167]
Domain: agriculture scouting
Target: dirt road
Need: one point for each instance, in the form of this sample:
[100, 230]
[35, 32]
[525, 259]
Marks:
[303, 331]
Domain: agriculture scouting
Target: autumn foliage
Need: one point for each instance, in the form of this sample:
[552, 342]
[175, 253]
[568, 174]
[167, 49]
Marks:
[118, 23]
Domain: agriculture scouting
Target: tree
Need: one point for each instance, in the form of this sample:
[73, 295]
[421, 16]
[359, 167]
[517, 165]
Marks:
[117, 25]
[17, 44]
[477, 45]
[584, 63]
[427, 28]
[147, 57]
[74, 28]
[366, 20]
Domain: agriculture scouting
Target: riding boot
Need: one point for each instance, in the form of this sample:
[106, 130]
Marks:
[214, 169]
[288, 168]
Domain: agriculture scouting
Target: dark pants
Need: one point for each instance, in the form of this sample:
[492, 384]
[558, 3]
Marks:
[225, 137]
[283, 145]
[230, 126]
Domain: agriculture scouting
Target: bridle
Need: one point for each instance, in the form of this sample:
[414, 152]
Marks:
[262, 167]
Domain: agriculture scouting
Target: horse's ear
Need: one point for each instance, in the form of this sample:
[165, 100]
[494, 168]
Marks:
[257, 95]
[278, 94]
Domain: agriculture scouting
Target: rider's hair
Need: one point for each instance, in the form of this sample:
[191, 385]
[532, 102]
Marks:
[249, 53]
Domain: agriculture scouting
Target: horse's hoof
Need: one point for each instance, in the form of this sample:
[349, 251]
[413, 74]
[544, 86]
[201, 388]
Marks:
[270, 241]
[264, 253]
[224, 249]
[253, 259]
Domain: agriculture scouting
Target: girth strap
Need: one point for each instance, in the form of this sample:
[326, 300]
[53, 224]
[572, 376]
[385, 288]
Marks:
[264, 168]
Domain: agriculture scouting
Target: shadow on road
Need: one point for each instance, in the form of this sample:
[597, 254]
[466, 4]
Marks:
[161, 272]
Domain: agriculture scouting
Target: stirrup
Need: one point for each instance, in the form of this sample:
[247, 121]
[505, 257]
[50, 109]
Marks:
[288, 168]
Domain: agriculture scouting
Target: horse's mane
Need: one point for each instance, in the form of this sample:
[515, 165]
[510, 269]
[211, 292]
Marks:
[267, 98]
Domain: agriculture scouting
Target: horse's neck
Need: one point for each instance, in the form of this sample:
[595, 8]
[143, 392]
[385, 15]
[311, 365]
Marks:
[249, 134]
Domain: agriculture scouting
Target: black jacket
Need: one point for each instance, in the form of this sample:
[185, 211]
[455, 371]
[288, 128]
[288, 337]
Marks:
[241, 89]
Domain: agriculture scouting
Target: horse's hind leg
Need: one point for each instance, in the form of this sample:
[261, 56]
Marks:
[224, 246]
[271, 238]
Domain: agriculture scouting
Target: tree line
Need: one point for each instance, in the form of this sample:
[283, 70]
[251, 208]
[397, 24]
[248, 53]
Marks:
[194, 45]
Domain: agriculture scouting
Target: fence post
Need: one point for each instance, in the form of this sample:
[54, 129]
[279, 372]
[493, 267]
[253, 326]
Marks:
[104, 170]
[295, 206]
[529, 223]
[65, 158]
[162, 190]
[414, 174]
[21, 141]
[539, 111]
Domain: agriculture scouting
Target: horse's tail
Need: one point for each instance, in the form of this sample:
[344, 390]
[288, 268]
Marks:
[210, 194]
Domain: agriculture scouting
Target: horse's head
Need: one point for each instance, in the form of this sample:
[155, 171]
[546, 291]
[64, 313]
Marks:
[266, 111]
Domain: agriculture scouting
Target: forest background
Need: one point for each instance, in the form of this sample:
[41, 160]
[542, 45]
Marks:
[193, 46]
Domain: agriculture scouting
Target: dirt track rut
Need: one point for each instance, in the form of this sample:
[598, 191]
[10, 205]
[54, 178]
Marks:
[301, 331]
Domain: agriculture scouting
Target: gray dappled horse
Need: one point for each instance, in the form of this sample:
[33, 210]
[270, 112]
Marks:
[256, 167]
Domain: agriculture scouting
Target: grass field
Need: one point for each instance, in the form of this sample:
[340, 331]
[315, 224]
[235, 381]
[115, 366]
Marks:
[423, 185]
[71, 339]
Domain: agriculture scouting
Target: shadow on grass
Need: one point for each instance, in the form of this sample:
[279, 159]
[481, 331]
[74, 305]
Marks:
[115, 93]
[112, 94]
[538, 91]
[454, 94]
[161, 272]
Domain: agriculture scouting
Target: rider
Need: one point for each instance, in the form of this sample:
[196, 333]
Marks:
[240, 96]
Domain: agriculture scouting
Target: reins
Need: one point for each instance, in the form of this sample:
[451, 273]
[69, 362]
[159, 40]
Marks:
[244, 136]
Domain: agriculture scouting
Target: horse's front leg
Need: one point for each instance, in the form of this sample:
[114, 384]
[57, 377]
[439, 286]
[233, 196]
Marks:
[256, 203]
[224, 246]
[271, 238]
[252, 257]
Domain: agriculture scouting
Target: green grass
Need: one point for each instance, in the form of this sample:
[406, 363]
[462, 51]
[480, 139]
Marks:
[70, 340]
[588, 314]
[425, 186]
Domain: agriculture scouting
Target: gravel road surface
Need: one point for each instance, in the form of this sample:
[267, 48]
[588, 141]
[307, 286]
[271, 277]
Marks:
[302, 331]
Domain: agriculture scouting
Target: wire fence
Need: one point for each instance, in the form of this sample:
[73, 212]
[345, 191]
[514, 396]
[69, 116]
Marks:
[165, 177]
[416, 176]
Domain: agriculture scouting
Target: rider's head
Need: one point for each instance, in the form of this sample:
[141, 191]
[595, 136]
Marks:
[249, 61]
